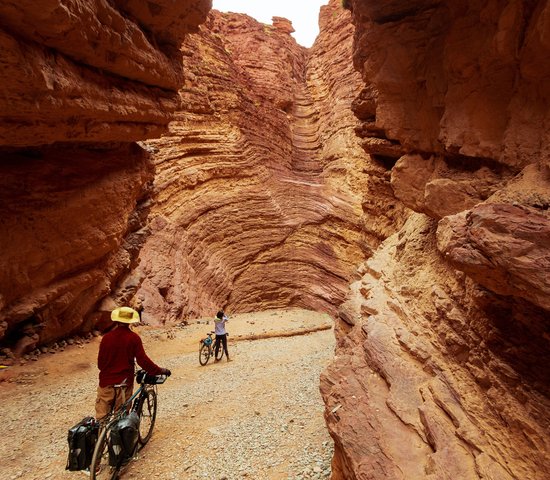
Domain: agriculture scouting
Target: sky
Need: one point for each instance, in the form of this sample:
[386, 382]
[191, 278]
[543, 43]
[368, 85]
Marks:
[304, 14]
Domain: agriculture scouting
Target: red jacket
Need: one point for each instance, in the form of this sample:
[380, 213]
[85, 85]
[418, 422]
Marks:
[117, 352]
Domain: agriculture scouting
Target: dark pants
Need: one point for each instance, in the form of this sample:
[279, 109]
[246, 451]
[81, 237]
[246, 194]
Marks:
[223, 340]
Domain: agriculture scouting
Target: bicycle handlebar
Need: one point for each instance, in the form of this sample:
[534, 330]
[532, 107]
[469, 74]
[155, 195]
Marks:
[142, 377]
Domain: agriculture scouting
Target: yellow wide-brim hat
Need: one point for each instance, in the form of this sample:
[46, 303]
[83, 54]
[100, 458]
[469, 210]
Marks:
[124, 315]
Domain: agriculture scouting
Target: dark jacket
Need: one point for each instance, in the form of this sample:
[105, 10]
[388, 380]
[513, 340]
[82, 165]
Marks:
[117, 352]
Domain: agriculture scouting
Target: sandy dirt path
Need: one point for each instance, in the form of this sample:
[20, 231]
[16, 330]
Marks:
[258, 417]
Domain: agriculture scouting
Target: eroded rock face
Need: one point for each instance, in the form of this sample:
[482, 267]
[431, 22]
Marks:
[504, 247]
[468, 79]
[440, 369]
[91, 71]
[436, 379]
[67, 236]
[81, 81]
[264, 196]
[268, 192]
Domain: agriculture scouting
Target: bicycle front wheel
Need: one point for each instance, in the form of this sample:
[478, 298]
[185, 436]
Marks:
[100, 468]
[147, 411]
[204, 354]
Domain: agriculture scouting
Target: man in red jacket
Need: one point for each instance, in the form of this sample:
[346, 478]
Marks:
[117, 352]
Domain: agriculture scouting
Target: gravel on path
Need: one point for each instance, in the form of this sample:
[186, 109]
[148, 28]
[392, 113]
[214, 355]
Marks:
[257, 417]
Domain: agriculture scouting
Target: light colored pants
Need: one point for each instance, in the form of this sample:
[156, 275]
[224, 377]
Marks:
[106, 398]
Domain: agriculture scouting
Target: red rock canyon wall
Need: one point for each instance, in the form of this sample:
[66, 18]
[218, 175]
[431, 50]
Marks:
[441, 369]
[80, 82]
[265, 198]
[408, 197]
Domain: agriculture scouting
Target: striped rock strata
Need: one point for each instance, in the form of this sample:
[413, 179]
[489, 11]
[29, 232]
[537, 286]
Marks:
[264, 196]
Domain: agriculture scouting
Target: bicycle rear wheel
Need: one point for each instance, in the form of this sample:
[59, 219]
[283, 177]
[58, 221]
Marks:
[147, 411]
[100, 468]
[204, 354]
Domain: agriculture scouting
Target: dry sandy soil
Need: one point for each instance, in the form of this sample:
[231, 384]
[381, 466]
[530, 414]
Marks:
[257, 417]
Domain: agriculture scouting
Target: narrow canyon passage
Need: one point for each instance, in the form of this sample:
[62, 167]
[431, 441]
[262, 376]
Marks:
[395, 176]
[304, 135]
[259, 185]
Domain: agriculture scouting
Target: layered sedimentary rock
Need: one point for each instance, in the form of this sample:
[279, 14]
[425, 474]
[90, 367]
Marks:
[441, 367]
[267, 192]
[81, 81]
[95, 71]
[69, 229]
[264, 197]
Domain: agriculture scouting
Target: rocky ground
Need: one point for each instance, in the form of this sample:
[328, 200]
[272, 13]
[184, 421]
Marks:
[258, 417]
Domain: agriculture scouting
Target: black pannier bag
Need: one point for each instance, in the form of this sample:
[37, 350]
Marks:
[123, 439]
[82, 439]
